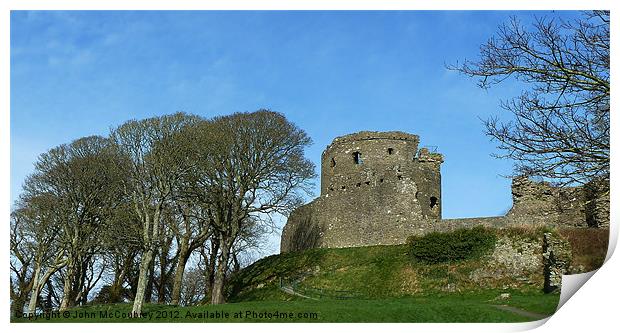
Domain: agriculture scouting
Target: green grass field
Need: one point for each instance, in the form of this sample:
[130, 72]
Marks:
[435, 308]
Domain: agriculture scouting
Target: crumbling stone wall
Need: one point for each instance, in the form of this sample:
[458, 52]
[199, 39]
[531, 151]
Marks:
[376, 188]
[386, 163]
[542, 203]
[515, 261]
[597, 203]
[556, 260]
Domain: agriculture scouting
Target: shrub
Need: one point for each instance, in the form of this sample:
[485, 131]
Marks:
[588, 246]
[461, 244]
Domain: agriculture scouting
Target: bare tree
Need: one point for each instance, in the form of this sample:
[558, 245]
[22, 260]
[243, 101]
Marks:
[208, 263]
[187, 219]
[560, 129]
[81, 180]
[151, 177]
[167, 256]
[21, 262]
[192, 229]
[39, 227]
[252, 166]
[193, 289]
[129, 211]
[122, 243]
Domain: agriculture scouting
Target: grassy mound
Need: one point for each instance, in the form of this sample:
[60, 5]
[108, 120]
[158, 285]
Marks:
[366, 273]
[375, 272]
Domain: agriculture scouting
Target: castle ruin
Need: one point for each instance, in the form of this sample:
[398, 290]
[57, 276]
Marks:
[378, 188]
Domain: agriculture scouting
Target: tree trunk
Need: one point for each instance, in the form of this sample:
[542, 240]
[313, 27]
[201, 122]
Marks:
[80, 289]
[115, 293]
[179, 271]
[117, 285]
[148, 293]
[17, 306]
[211, 265]
[143, 278]
[38, 283]
[47, 305]
[164, 276]
[150, 286]
[236, 264]
[36, 289]
[217, 293]
[67, 292]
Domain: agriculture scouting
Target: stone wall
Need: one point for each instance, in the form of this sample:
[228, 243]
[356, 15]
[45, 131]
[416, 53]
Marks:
[386, 163]
[597, 203]
[515, 261]
[378, 188]
[556, 259]
[518, 260]
[540, 202]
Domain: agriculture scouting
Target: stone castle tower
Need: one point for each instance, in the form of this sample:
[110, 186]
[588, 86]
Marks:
[376, 188]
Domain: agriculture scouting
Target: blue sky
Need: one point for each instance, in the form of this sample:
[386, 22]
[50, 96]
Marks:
[75, 74]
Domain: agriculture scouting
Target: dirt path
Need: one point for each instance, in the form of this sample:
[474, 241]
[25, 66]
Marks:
[520, 312]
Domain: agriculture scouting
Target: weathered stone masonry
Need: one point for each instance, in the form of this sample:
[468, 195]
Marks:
[378, 188]
[539, 202]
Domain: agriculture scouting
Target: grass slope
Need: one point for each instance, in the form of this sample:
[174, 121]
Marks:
[438, 308]
[363, 273]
